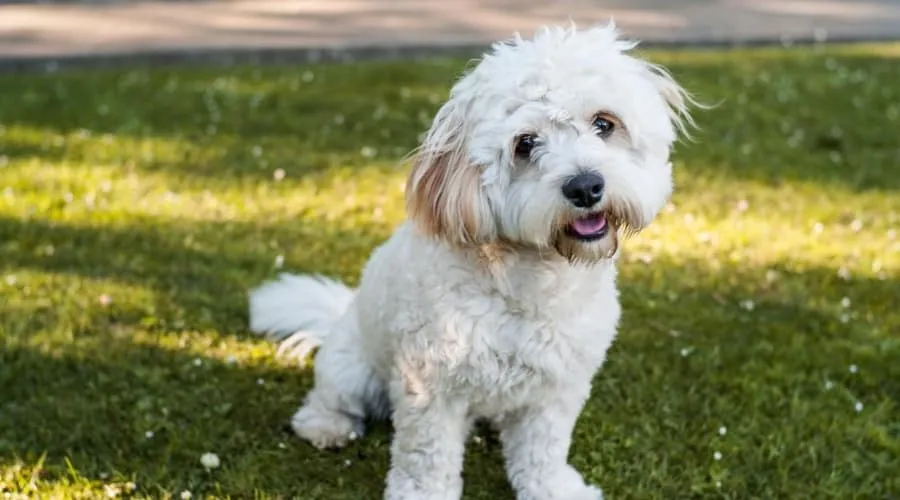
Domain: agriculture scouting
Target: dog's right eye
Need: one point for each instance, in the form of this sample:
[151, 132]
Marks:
[524, 145]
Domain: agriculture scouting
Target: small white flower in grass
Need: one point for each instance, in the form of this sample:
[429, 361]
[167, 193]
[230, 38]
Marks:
[148, 434]
[308, 76]
[818, 228]
[771, 275]
[68, 197]
[210, 461]
[260, 381]
[338, 119]
[347, 463]
[186, 495]
[723, 431]
[279, 261]
[685, 351]
[198, 362]
[845, 318]
[843, 273]
[111, 490]
[282, 445]
[856, 225]
[858, 407]
[257, 151]
[853, 368]
[368, 152]
[104, 300]
[353, 436]
[718, 484]
[743, 205]
[10, 279]
[845, 302]
[231, 359]
[717, 456]
[104, 475]
[748, 305]
[279, 174]
[829, 385]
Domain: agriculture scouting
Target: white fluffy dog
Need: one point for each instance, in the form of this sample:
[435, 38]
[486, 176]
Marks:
[497, 300]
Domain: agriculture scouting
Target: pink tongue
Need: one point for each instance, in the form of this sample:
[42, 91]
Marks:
[589, 225]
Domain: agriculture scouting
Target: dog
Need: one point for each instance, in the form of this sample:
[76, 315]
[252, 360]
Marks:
[496, 300]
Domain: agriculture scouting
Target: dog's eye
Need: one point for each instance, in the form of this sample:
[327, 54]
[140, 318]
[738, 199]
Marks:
[524, 145]
[604, 125]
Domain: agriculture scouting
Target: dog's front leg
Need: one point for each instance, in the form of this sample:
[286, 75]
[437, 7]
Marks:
[427, 449]
[536, 443]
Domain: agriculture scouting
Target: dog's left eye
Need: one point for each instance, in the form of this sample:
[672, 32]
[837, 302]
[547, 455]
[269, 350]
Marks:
[604, 125]
[524, 145]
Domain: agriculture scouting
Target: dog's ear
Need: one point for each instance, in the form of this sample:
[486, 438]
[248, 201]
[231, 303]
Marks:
[444, 193]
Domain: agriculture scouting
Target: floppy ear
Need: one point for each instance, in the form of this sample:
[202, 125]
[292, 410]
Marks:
[444, 193]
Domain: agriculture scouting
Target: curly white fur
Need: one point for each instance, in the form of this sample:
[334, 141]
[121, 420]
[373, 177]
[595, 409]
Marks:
[485, 304]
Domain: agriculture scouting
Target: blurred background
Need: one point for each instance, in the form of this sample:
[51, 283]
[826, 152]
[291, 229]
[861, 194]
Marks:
[89, 28]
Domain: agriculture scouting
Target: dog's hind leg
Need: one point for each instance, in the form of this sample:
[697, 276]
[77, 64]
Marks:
[346, 390]
[302, 313]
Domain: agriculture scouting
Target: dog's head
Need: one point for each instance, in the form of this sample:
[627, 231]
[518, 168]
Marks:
[558, 143]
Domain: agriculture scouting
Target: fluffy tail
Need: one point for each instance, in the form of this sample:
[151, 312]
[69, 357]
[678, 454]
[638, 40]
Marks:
[298, 311]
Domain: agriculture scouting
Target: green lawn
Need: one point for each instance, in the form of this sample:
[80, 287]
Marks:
[759, 355]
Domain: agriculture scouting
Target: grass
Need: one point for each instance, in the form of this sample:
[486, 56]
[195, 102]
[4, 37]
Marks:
[138, 206]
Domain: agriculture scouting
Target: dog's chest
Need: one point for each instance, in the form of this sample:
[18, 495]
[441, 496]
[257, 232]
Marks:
[521, 349]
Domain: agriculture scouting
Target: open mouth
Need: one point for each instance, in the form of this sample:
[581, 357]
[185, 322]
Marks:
[590, 227]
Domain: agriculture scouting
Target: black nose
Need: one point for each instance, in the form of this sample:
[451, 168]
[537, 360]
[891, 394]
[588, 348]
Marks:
[584, 190]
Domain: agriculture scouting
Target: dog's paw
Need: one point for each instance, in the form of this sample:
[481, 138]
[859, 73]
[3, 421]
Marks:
[326, 429]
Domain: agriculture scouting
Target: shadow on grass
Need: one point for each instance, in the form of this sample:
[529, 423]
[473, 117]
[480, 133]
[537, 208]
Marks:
[800, 115]
[198, 272]
[94, 409]
[239, 123]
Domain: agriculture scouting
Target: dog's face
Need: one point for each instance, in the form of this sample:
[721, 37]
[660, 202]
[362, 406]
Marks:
[558, 143]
